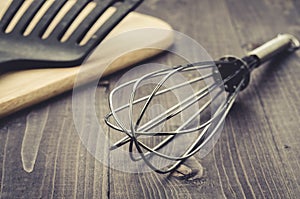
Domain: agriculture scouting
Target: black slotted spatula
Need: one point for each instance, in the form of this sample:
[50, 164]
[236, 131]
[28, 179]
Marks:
[56, 33]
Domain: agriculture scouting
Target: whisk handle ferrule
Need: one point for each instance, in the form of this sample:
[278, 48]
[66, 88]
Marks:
[283, 42]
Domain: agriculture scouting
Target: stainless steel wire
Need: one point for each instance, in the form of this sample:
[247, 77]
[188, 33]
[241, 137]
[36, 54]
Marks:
[233, 72]
[136, 131]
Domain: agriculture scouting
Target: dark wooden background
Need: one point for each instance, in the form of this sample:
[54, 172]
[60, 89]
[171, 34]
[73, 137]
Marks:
[257, 156]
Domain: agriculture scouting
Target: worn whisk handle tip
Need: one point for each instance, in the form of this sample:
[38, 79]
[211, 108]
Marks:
[283, 42]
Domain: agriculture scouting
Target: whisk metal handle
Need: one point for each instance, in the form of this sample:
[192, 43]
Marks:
[271, 48]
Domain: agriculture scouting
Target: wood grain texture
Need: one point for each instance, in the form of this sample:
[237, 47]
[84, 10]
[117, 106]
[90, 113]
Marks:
[257, 155]
[21, 89]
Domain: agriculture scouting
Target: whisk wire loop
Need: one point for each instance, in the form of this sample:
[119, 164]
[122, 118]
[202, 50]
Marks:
[232, 73]
[137, 130]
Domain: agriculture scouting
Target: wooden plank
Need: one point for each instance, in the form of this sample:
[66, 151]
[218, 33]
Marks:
[63, 168]
[209, 23]
[245, 161]
[24, 88]
[274, 101]
[257, 155]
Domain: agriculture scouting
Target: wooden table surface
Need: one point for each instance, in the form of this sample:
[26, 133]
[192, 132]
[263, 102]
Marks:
[257, 155]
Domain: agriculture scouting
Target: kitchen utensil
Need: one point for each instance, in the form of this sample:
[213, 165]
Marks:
[55, 33]
[22, 88]
[231, 72]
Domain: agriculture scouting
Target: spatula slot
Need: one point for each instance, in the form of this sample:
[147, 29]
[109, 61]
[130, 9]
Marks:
[4, 5]
[47, 33]
[58, 18]
[78, 20]
[60, 22]
[104, 22]
[36, 19]
[9, 14]
[99, 22]
[26, 4]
